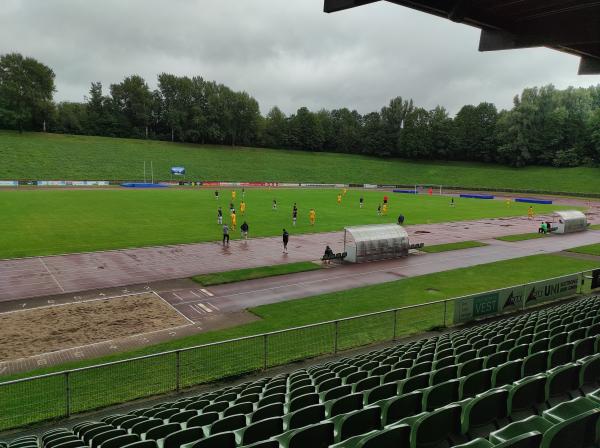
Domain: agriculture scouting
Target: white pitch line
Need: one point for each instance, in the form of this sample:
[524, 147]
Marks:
[192, 291]
[51, 275]
[207, 292]
[216, 308]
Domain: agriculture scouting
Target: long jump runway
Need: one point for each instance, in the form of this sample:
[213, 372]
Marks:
[52, 275]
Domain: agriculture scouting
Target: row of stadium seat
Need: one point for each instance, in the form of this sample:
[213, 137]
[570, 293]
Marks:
[446, 389]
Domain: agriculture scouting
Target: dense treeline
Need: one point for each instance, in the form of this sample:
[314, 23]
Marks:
[545, 126]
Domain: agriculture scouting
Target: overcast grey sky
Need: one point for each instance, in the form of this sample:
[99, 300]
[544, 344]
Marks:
[283, 52]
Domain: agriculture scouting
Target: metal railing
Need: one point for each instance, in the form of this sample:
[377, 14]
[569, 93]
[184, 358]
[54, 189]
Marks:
[65, 393]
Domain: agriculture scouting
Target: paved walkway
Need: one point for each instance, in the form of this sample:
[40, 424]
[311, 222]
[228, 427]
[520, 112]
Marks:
[45, 276]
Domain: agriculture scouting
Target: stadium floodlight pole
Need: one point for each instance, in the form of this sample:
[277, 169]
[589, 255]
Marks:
[144, 171]
[152, 170]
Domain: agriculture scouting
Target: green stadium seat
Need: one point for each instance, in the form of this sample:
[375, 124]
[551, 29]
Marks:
[562, 380]
[329, 384]
[201, 420]
[71, 444]
[302, 401]
[305, 416]
[240, 408]
[506, 345]
[380, 392]
[413, 383]
[88, 434]
[531, 439]
[182, 437]
[557, 340]
[180, 417]
[417, 369]
[230, 423]
[442, 394]
[538, 346]
[475, 383]
[143, 427]
[268, 411]
[576, 432]
[98, 439]
[366, 384]
[471, 366]
[444, 374]
[251, 398]
[444, 362]
[313, 436]
[270, 399]
[436, 426]
[142, 444]
[495, 359]
[535, 423]
[395, 375]
[466, 356]
[507, 373]
[535, 363]
[397, 436]
[569, 409]
[584, 347]
[222, 440]
[518, 352]
[560, 355]
[483, 410]
[259, 431]
[197, 405]
[336, 392]
[219, 406]
[527, 394]
[398, 408]
[357, 422]
[487, 350]
[345, 404]
[476, 443]
[120, 441]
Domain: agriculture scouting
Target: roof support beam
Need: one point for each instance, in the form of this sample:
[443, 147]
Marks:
[495, 40]
[339, 5]
[589, 66]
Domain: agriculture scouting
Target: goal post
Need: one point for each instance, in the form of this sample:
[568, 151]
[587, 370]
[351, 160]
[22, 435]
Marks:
[436, 189]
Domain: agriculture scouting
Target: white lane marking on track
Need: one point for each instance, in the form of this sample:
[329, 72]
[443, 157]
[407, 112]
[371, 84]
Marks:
[207, 292]
[177, 295]
[216, 308]
[51, 275]
[205, 308]
[179, 312]
[192, 291]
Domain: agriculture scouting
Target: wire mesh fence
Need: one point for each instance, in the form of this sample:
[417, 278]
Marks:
[61, 394]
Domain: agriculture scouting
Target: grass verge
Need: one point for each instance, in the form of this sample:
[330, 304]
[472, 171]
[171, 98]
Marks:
[25, 403]
[522, 237]
[592, 249]
[239, 275]
[452, 246]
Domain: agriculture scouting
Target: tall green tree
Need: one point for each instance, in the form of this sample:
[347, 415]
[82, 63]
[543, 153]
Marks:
[26, 90]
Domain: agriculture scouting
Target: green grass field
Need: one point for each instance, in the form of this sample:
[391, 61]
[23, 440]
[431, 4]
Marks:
[238, 275]
[42, 222]
[522, 237]
[452, 246]
[25, 403]
[68, 157]
[593, 249]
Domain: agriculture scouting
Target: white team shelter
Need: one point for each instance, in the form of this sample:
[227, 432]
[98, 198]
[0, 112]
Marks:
[569, 221]
[375, 242]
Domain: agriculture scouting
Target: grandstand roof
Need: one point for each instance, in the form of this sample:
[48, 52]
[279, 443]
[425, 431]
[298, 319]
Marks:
[572, 26]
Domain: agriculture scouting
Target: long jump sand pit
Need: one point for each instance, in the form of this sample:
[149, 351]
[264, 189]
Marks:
[43, 330]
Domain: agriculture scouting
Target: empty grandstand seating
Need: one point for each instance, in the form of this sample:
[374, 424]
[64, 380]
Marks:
[524, 381]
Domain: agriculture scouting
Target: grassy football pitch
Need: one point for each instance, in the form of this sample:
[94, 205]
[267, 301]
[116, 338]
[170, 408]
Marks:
[43, 222]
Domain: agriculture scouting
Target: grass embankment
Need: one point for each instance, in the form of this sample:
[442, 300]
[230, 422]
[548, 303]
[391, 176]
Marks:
[595, 227]
[69, 157]
[44, 222]
[592, 249]
[523, 237]
[239, 275]
[452, 246]
[21, 404]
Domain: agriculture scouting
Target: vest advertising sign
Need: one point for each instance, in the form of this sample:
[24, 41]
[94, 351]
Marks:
[514, 298]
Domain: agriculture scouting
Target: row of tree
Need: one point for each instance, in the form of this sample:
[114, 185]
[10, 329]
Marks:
[545, 126]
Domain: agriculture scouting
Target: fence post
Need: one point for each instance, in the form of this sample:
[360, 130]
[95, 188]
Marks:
[395, 324]
[445, 306]
[67, 394]
[265, 351]
[178, 370]
[335, 337]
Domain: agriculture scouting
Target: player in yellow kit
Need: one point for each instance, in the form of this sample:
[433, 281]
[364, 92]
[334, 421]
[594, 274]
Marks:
[233, 195]
[312, 216]
[530, 213]
[339, 198]
[233, 220]
[385, 209]
[242, 207]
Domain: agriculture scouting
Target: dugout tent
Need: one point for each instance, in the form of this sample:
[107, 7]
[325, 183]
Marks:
[375, 242]
[570, 221]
